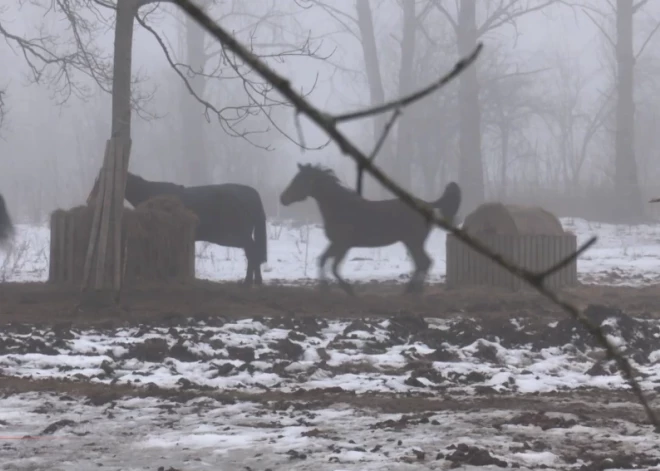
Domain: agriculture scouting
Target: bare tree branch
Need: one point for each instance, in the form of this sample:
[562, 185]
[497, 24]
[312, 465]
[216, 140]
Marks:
[639, 5]
[258, 94]
[226, 122]
[600, 27]
[507, 13]
[379, 144]
[441, 8]
[2, 108]
[56, 61]
[329, 125]
[647, 40]
[339, 16]
[413, 97]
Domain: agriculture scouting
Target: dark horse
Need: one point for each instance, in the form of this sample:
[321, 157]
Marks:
[6, 226]
[229, 214]
[353, 221]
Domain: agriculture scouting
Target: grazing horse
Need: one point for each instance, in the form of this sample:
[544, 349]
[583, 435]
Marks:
[229, 214]
[6, 226]
[353, 221]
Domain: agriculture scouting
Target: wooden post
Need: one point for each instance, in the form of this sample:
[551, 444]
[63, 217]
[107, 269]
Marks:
[94, 233]
[103, 264]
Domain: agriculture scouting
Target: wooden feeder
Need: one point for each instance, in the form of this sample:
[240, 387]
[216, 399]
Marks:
[529, 236]
[158, 242]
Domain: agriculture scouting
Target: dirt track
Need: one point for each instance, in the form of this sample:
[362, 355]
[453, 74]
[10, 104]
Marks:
[38, 304]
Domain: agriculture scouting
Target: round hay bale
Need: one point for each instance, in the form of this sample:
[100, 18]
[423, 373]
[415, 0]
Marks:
[501, 219]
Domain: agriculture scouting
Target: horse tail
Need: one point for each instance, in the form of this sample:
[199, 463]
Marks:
[449, 202]
[260, 237]
[6, 226]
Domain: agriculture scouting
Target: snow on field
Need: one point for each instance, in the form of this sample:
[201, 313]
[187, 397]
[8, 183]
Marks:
[623, 255]
[205, 434]
[463, 359]
[392, 355]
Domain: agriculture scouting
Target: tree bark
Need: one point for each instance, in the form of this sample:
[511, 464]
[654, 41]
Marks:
[121, 76]
[376, 90]
[626, 179]
[193, 141]
[470, 168]
[405, 149]
[104, 251]
[504, 151]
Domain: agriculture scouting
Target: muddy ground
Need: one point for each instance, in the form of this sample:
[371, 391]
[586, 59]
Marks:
[43, 305]
[40, 303]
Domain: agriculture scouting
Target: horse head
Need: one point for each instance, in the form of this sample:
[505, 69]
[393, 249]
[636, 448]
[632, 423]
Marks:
[300, 187]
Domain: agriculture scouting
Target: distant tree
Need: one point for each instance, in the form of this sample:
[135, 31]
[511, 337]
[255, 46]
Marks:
[273, 33]
[468, 31]
[2, 107]
[360, 25]
[58, 59]
[626, 177]
[573, 111]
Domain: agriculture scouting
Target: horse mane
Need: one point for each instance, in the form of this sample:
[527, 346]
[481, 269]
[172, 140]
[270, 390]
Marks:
[324, 173]
[167, 184]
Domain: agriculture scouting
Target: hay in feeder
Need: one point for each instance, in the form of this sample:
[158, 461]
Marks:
[161, 234]
[500, 219]
[158, 241]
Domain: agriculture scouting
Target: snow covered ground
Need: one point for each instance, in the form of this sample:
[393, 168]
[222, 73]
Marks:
[205, 434]
[395, 355]
[623, 255]
[280, 375]
[407, 359]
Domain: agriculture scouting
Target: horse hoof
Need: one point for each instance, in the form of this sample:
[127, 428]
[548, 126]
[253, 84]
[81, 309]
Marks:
[324, 286]
[348, 290]
[414, 289]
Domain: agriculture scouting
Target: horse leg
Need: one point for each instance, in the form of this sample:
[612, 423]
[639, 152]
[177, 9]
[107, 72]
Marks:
[323, 259]
[422, 264]
[254, 267]
[340, 253]
[249, 254]
[257, 273]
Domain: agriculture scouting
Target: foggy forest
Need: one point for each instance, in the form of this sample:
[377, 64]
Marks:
[526, 334]
[561, 109]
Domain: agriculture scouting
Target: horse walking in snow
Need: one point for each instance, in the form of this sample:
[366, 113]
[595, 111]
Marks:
[352, 221]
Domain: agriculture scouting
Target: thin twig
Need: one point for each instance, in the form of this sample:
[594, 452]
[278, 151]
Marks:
[381, 140]
[329, 125]
[564, 262]
[460, 66]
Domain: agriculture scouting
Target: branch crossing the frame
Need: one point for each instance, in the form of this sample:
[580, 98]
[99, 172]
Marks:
[329, 123]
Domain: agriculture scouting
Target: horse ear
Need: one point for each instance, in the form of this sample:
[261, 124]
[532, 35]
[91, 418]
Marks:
[300, 166]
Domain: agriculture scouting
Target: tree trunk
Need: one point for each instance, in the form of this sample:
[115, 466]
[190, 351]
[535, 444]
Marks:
[470, 169]
[200, 170]
[103, 263]
[504, 150]
[625, 177]
[404, 149]
[376, 90]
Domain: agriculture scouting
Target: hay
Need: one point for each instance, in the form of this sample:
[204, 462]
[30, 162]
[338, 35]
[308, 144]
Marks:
[157, 240]
[497, 218]
[152, 216]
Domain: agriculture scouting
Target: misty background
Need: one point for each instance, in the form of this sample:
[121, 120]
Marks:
[534, 122]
